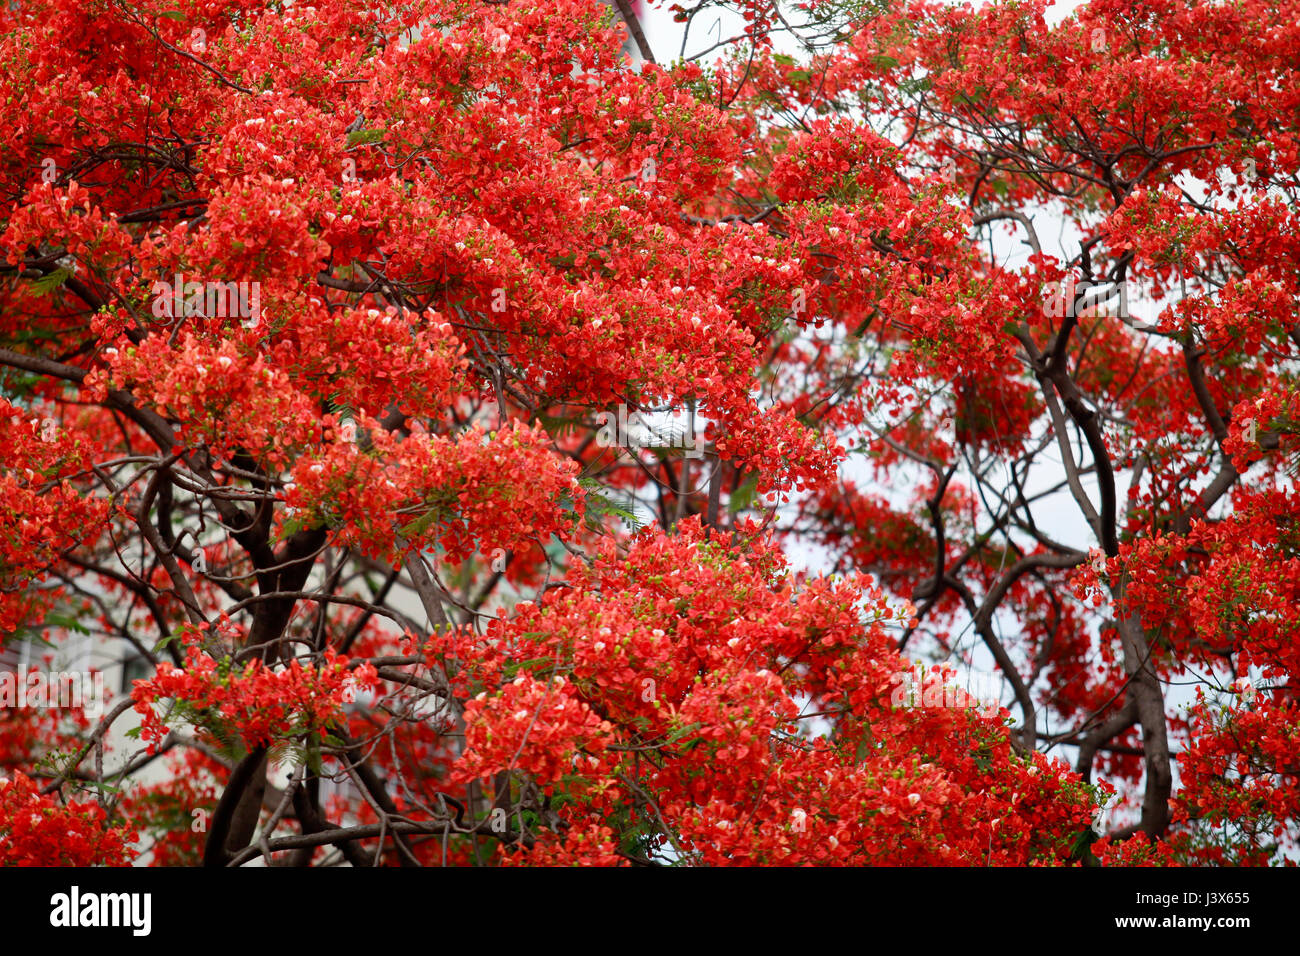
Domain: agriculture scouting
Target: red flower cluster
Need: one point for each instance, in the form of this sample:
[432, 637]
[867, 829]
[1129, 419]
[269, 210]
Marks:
[37, 830]
[684, 655]
[257, 703]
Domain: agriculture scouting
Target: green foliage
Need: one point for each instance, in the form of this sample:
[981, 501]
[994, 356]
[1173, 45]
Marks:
[600, 505]
[48, 283]
[365, 137]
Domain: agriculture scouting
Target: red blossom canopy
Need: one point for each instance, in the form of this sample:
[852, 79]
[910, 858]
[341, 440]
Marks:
[323, 322]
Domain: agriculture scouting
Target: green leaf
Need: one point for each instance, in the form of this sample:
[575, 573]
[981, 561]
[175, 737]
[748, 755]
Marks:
[678, 734]
[512, 669]
[313, 759]
[599, 504]
[420, 525]
[743, 496]
[1080, 850]
[161, 646]
[558, 424]
[47, 284]
[291, 527]
[365, 136]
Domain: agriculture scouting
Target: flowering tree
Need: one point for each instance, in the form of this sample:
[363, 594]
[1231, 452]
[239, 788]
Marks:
[332, 342]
